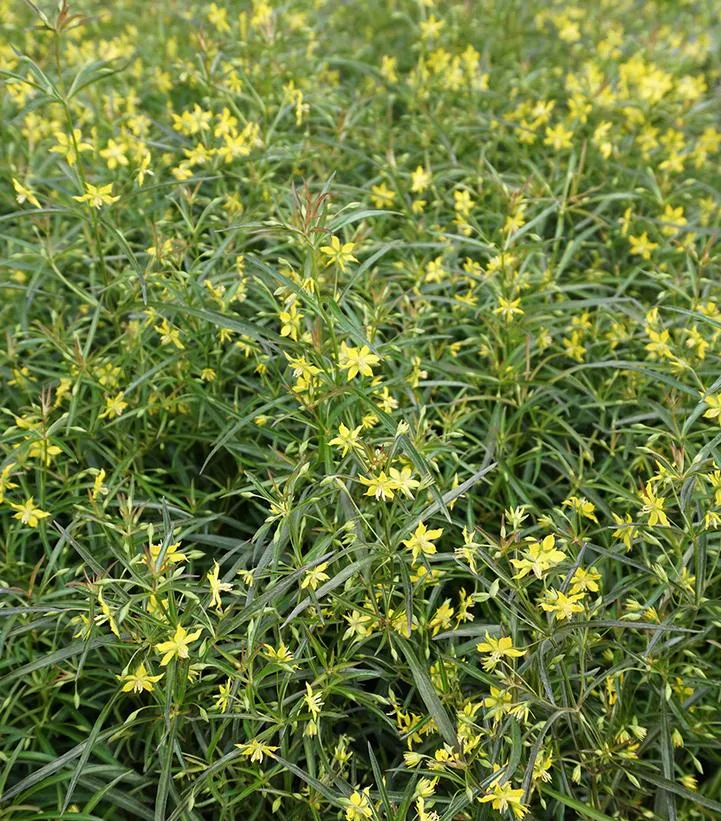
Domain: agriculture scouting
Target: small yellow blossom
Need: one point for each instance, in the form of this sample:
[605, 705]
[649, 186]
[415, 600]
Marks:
[256, 750]
[585, 580]
[642, 246]
[139, 680]
[422, 541]
[223, 698]
[216, 586]
[626, 530]
[359, 625]
[169, 335]
[348, 439]
[5, 483]
[713, 401]
[420, 180]
[29, 513]
[98, 486]
[558, 137]
[97, 196]
[315, 576]
[281, 654]
[178, 646]
[218, 17]
[382, 196]
[538, 558]
[653, 507]
[503, 797]
[380, 486]
[339, 253]
[24, 194]
[561, 605]
[314, 701]
[508, 308]
[582, 506]
[404, 481]
[358, 807]
[70, 147]
[497, 649]
[114, 406]
[357, 360]
[497, 703]
[172, 556]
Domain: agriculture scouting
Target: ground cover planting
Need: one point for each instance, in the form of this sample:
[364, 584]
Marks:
[360, 395]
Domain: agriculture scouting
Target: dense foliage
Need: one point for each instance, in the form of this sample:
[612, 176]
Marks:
[360, 392]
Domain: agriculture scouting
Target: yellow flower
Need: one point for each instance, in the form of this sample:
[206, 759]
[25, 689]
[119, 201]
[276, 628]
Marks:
[404, 481]
[626, 530]
[290, 320]
[114, 154]
[69, 147]
[382, 196]
[139, 680]
[504, 797]
[255, 750]
[561, 605]
[23, 194]
[582, 506]
[357, 360]
[508, 308]
[5, 483]
[422, 541]
[169, 335]
[28, 513]
[314, 701]
[431, 27]
[106, 614]
[388, 68]
[218, 17]
[223, 698]
[689, 781]
[538, 558]
[172, 556]
[653, 506]
[462, 202]
[98, 486]
[420, 180]
[314, 576]
[674, 219]
[339, 253]
[585, 580]
[558, 137]
[441, 620]
[347, 439]
[216, 586]
[177, 646]
[498, 649]
[282, 655]
[642, 246]
[114, 406]
[380, 486]
[713, 400]
[358, 625]
[358, 807]
[498, 703]
[97, 196]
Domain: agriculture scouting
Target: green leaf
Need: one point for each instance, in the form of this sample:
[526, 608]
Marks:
[427, 692]
[673, 786]
[583, 809]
